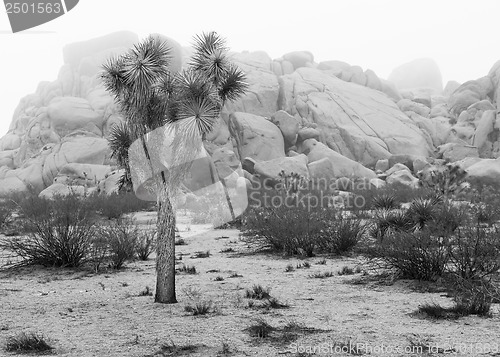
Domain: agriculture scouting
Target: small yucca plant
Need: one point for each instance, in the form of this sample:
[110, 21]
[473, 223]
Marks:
[422, 211]
[385, 201]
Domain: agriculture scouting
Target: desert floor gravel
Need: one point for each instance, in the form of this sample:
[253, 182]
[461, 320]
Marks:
[87, 314]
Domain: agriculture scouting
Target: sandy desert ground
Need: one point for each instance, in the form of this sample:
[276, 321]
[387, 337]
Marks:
[87, 314]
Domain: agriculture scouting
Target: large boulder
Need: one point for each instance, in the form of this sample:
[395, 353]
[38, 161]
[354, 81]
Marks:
[83, 150]
[88, 56]
[256, 137]
[485, 171]
[88, 175]
[450, 87]
[407, 105]
[420, 73]
[67, 114]
[271, 169]
[435, 130]
[73, 53]
[486, 134]
[457, 151]
[10, 141]
[299, 58]
[288, 125]
[321, 169]
[341, 166]
[357, 122]
[308, 133]
[7, 158]
[58, 189]
[494, 75]
[469, 93]
[397, 168]
[402, 177]
[382, 165]
[335, 66]
[261, 97]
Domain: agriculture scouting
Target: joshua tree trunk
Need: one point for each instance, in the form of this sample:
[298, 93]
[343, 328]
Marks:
[165, 248]
[165, 237]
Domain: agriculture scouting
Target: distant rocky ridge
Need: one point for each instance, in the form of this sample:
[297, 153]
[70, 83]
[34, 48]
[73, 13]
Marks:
[327, 119]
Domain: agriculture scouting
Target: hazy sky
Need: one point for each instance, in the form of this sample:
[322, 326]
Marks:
[462, 36]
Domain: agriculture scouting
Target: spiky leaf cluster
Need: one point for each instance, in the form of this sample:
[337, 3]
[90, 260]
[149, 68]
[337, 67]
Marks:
[150, 95]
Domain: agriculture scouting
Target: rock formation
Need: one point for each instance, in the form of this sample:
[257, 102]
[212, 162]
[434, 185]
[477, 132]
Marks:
[330, 119]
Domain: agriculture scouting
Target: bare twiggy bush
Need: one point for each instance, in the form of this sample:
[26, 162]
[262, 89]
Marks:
[59, 232]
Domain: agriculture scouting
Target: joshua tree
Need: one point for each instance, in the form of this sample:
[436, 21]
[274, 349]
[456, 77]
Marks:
[150, 96]
[445, 180]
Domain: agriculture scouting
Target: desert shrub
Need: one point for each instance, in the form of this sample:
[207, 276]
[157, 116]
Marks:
[146, 244]
[291, 230]
[274, 303]
[431, 212]
[171, 349]
[447, 218]
[474, 252]
[227, 250]
[201, 254]
[5, 215]
[485, 213]
[226, 349]
[260, 328]
[146, 292]
[346, 271]
[436, 311]
[180, 241]
[116, 204]
[433, 236]
[398, 193]
[341, 235]
[188, 269]
[27, 343]
[319, 275]
[473, 296]
[60, 232]
[292, 214]
[415, 255]
[98, 253]
[304, 265]
[482, 195]
[202, 307]
[15, 201]
[121, 237]
[470, 297]
[257, 292]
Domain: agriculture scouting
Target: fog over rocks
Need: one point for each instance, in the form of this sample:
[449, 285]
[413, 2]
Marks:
[329, 119]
